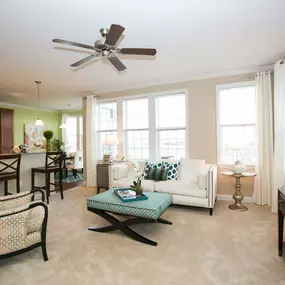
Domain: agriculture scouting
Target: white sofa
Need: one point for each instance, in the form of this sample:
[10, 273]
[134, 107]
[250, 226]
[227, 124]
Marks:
[196, 184]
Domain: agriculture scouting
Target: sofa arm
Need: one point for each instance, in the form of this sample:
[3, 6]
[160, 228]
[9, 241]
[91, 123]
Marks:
[120, 171]
[202, 181]
[212, 185]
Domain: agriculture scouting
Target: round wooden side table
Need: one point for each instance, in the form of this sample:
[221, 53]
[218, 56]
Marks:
[237, 206]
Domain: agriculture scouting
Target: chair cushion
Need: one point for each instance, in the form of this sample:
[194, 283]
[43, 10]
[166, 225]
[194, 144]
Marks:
[148, 185]
[180, 188]
[35, 219]
[190, 169]
[33, 238]
[13, 232]
[15, 201]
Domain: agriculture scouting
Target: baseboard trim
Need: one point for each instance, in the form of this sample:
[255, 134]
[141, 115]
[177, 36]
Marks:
[222, 197]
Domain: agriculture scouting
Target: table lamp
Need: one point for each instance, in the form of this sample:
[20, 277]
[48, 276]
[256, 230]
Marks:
[111, 139]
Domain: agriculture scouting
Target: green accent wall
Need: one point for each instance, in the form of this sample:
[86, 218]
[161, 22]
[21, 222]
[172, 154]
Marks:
[75, 113]
[52, 121]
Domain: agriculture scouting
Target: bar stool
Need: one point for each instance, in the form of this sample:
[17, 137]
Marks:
[53, 164]
[9, 170]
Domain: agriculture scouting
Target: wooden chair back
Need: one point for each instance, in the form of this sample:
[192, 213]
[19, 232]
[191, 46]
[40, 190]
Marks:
[10, 164]
[53, 160]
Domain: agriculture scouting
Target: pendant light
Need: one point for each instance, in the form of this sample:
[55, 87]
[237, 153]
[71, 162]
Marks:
[38, 122]
[64, 124]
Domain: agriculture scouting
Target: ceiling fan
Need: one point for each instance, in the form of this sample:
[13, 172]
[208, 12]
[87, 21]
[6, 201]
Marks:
[106, 47]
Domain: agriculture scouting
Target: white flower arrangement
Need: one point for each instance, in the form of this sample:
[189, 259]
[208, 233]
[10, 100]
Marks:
[137, 185]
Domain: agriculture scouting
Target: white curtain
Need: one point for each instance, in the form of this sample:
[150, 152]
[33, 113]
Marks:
[64, 130]
[262, 194]
[89, 106]
[279, 131]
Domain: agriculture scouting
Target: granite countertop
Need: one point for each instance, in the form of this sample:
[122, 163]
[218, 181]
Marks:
[34, 153]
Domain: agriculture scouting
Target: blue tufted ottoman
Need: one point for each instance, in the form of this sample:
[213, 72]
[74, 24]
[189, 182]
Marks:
[147, 211]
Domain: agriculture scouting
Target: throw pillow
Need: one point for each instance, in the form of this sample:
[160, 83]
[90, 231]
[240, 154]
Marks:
[151, 173]
[157, 174]
[149, 165]
[172, 170]
[163, 176]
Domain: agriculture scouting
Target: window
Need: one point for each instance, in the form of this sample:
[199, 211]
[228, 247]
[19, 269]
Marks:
[74, 133]
[236, 124]
[107, 129]
[136, 128]
[148, 126]
[171, 126]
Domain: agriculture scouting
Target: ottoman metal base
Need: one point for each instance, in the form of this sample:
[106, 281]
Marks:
[123, 226]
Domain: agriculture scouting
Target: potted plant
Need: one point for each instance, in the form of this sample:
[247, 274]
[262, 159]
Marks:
[48, 135]
[137, 185]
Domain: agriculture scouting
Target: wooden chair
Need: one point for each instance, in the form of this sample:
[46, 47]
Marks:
[9, 170]
[23, 224]
[77, 163]
[53, 164]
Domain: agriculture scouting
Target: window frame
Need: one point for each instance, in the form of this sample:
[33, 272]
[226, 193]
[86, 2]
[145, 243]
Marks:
[219, 126]
[153, 145]
[77, 130]
[99, 146]
[158, 129]
[125, 130]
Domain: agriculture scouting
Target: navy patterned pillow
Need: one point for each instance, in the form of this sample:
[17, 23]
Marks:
[172, 170]
[149, 165]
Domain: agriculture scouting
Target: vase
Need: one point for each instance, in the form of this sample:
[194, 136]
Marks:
[238, 167]
[139, 192]
[48, 146]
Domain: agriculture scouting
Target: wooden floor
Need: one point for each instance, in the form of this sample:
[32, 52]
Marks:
[67, 186]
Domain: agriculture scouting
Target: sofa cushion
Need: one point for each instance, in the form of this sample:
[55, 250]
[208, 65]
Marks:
[180, 188]
[172, 170]
[190, 169]
[148, 185]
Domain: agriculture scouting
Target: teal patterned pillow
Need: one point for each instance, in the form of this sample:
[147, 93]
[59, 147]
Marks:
[148, 165]
[172, 170]
[163, 176]
[154, 173]
[151, 173]
[157, 174]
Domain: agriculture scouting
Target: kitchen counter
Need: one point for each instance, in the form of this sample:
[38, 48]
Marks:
[28, 161]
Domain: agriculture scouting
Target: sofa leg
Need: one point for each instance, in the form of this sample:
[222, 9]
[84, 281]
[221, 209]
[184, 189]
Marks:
[211, 211]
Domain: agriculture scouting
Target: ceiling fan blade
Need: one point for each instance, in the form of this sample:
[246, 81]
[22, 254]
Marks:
[138, 51]
[114, 34]
[117, 63]
[85, 59]
[72, 44]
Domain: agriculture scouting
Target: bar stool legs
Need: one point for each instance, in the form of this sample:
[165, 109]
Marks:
[6, 188]
[60, 184]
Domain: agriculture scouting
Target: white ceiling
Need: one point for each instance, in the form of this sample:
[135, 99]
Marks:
[194, 38]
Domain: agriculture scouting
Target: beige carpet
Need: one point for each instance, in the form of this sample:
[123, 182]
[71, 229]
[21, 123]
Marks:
[227, 248]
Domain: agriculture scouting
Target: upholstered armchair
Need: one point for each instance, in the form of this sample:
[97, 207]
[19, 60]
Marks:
[23, 224]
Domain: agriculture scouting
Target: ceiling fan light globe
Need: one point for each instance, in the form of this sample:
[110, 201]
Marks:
[104, 32]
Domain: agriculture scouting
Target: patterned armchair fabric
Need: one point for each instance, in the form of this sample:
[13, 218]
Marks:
[22, 224]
